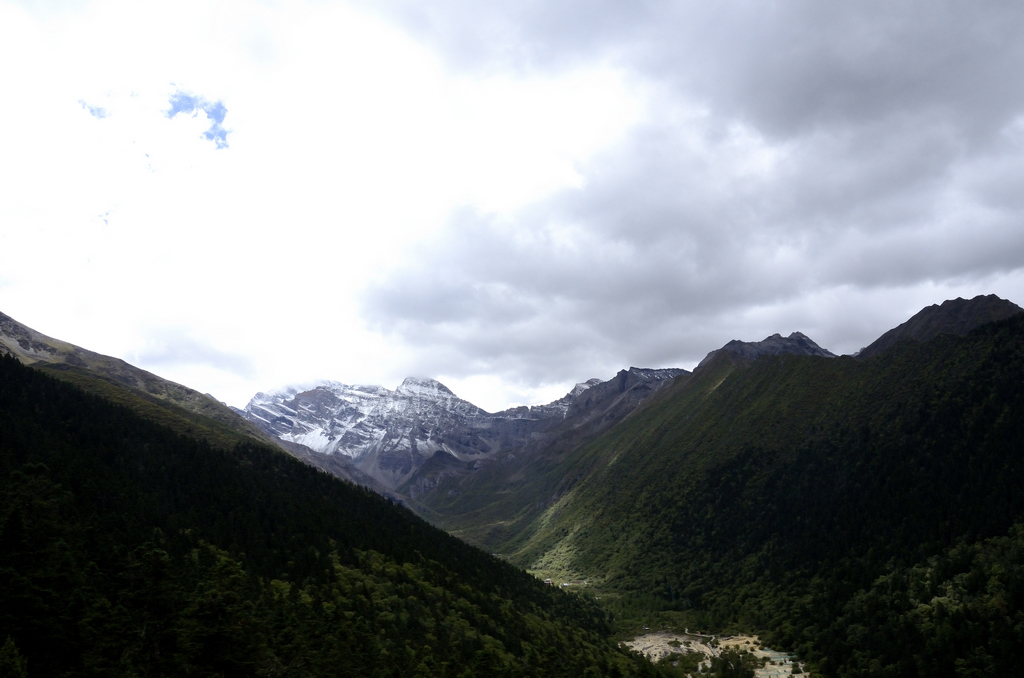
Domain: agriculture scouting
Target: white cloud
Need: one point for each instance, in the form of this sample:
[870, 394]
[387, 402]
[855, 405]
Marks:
[349, 144]
[511, 197]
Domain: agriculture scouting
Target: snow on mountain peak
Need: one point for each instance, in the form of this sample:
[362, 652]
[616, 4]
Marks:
[420, 386]
[389, 435]
[583, 386]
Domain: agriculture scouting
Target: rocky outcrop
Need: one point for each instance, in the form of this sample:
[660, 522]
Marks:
[602, 394]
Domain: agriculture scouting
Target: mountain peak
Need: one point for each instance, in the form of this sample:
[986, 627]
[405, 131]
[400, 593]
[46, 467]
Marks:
[953, 316]
[797, 343]
[581, 387]
[421, 386]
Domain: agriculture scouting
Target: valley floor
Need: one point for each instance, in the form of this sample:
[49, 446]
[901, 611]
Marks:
[663, 643]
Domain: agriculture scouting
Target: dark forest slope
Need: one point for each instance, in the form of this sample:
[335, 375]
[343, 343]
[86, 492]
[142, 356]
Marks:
[127, 549]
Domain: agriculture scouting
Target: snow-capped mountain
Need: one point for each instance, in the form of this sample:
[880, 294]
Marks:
[389, 435]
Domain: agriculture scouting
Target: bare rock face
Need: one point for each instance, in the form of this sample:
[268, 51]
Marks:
[415, 435]
[796, 343]
[955, 316]
[613, 399]
[389, 435]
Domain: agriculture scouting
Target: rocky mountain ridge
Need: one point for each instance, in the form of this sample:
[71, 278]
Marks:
[390, 436]
[421, 438]
[796, 343]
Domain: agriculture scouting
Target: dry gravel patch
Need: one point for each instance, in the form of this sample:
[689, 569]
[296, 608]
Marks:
[663, 643]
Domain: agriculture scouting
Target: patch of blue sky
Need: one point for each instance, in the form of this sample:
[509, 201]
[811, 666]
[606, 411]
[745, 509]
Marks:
[189, 104]
[94, 111]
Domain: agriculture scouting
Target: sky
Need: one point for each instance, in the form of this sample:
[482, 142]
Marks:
[509, 197]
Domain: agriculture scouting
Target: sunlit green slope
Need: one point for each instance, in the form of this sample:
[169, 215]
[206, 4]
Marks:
[772, 496]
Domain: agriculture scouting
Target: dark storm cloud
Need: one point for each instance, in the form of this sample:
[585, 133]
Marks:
[801, 159]
[781, 65]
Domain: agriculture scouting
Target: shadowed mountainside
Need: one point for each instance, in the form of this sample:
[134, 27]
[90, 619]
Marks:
[955, 316]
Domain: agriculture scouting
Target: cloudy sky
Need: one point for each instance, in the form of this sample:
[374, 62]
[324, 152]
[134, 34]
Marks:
[508, 196]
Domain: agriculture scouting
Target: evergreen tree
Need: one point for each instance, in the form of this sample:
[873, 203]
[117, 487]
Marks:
[12, 665]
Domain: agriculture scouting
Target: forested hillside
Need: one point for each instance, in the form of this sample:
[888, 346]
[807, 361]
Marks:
[128, 549]
[866, 513]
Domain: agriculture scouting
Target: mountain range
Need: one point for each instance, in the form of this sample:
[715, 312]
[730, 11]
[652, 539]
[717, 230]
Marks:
[407, 439]
[862, 511]
[423, 445]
